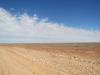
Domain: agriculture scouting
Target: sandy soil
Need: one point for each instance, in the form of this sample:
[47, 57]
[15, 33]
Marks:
[50, 59]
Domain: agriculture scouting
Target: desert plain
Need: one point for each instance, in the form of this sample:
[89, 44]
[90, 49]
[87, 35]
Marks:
[50, 59]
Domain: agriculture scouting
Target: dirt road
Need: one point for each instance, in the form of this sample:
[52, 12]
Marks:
[22, 60]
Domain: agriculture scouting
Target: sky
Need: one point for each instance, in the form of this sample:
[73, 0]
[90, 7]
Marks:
[32, 21]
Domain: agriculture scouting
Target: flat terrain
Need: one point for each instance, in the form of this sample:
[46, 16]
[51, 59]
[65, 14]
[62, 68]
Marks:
[50, 59]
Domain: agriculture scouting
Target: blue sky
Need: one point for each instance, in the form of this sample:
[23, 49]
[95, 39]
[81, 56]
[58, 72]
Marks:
[54, 21]
[76, 13]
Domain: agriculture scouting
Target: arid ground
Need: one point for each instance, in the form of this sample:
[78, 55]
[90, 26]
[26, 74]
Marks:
[50, 59]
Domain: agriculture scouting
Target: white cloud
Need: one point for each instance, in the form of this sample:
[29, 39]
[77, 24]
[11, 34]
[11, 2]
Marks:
[27, 28]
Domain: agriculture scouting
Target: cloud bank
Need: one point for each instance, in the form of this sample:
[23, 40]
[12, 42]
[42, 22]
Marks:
[31, 29]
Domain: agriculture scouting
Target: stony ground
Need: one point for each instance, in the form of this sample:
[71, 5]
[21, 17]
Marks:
[50, 59]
